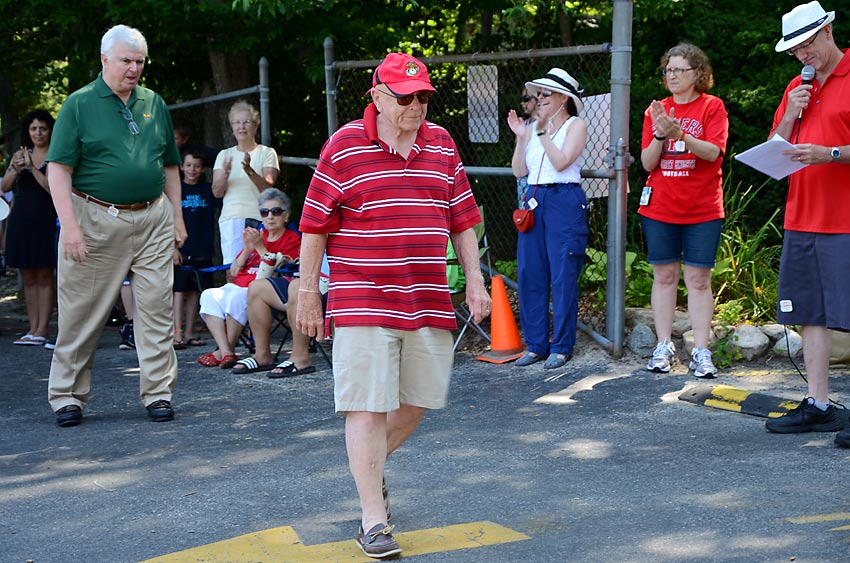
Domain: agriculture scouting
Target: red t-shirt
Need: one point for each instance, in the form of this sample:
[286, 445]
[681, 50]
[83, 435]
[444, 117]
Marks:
[288, 244]
[388, 221]
[687, 189]
[819, 194]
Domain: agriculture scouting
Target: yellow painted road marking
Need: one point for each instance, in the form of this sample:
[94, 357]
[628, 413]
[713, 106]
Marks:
[819, 518]
[727, 398]
[788, 405]
[282, 545]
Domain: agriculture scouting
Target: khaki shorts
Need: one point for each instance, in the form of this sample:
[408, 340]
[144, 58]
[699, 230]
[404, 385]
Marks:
[376, 369]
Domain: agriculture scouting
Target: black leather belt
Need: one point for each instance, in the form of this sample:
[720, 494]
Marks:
[121, 206]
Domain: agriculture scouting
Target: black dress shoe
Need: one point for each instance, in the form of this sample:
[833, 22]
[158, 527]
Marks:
[160, 411]
[70, 415]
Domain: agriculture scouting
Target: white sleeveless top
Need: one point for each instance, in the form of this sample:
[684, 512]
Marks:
[540, 169]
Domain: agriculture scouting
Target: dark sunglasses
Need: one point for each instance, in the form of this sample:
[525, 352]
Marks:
[276, 211]
[423, 96]
[527, 98]
[544, 94]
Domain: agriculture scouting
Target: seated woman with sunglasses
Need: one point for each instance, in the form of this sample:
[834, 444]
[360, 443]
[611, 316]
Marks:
[225, 308]
[550, 254]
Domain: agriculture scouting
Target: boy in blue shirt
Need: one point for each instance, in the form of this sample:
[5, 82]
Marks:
[199, 208]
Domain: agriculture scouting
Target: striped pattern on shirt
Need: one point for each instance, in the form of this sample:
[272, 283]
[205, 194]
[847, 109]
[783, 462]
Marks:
[388, 221]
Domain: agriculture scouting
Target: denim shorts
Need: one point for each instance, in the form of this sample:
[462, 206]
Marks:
[813, 280]
[695, 244]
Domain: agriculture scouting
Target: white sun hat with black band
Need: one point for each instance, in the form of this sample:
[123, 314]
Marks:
[801, 23]
[560, 81]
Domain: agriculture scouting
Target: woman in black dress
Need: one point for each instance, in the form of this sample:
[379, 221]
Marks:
[31, 232]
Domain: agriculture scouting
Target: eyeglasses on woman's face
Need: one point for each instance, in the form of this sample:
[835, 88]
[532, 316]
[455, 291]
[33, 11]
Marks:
[675, 71]
[246, 123]
[424, 96]
[526, 98]
[276, 211]
[802, 46]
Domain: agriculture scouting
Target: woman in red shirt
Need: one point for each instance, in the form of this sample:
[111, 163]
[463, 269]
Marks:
[684, 138]
[225, 308]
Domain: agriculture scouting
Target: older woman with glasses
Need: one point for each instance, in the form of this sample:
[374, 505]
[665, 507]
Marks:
[225, 308]
[550, 254]
[684, 138]
[240, 173]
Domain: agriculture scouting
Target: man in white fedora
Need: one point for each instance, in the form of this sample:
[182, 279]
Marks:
[816, 244]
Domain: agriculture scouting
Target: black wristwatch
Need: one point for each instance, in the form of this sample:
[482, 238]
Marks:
[835, 153]
[657, 138]
[541, 133]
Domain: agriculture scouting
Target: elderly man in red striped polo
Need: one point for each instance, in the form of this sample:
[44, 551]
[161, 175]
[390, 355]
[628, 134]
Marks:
[388, 192]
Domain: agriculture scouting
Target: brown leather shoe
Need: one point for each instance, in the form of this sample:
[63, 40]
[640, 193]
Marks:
[378, 542]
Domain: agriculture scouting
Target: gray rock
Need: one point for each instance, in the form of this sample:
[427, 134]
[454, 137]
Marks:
[719, 332]
[688, 340]
[641, 341]
[794, 342]
[773, 331]
[680, 327]
[750, 340]
[637, 315]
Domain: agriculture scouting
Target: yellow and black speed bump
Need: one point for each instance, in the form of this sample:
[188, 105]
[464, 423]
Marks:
[739, 400]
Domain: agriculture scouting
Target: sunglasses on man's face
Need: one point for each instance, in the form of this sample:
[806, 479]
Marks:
[276, 211]
[544, 94]
[423, 96]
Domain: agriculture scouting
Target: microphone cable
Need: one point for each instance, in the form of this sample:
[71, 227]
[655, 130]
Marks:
[799, 371]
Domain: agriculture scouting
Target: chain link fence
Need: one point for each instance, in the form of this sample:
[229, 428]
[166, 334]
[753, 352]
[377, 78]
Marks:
[474, 95]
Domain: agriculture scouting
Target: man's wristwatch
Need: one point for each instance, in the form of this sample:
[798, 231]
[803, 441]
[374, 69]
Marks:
[541, 133]
[835, 154]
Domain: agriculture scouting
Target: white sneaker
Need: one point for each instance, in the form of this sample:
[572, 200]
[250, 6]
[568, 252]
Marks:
[701, 363]
[661, 357]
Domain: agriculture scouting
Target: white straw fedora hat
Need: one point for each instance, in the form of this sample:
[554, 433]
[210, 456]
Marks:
[558, 80]
[801, 23]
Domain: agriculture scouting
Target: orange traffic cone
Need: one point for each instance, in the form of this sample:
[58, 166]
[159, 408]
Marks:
[506, 345]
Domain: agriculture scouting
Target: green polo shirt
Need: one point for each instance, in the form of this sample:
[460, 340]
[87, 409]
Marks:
[111, 163]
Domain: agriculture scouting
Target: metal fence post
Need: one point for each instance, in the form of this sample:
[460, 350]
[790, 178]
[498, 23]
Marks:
[621, 60]
[265, 119]
[330, 84]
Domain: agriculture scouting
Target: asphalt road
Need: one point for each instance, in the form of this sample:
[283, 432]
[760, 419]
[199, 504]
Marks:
[603, 463]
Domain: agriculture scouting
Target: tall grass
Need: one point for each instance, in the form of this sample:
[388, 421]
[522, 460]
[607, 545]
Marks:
[746, 276]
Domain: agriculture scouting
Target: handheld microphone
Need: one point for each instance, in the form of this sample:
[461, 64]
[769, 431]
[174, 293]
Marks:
[807, 74]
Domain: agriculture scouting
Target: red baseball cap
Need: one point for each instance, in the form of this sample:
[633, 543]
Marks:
[402, 74]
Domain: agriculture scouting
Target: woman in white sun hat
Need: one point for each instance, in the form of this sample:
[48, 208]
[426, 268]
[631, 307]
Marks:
[551, 253]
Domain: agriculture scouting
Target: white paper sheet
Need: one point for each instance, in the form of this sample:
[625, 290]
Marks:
[768, 159]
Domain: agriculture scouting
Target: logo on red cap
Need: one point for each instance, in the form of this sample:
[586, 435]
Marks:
[411, 68]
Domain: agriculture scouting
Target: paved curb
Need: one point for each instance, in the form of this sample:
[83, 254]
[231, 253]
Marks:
[728, 398]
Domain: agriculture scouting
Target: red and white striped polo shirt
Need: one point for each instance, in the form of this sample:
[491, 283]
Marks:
[388, 221]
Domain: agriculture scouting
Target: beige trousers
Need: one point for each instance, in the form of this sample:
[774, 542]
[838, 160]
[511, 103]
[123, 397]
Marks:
[134, 244]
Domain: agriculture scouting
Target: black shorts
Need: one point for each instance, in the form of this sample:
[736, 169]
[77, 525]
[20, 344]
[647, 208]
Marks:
[813, 280]
[281, 287]
[186, 280]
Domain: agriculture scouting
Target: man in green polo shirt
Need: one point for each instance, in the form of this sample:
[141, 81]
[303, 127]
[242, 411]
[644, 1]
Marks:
[111, 158]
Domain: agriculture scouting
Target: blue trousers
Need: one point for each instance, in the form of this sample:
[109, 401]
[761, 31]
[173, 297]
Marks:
[550, 256]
